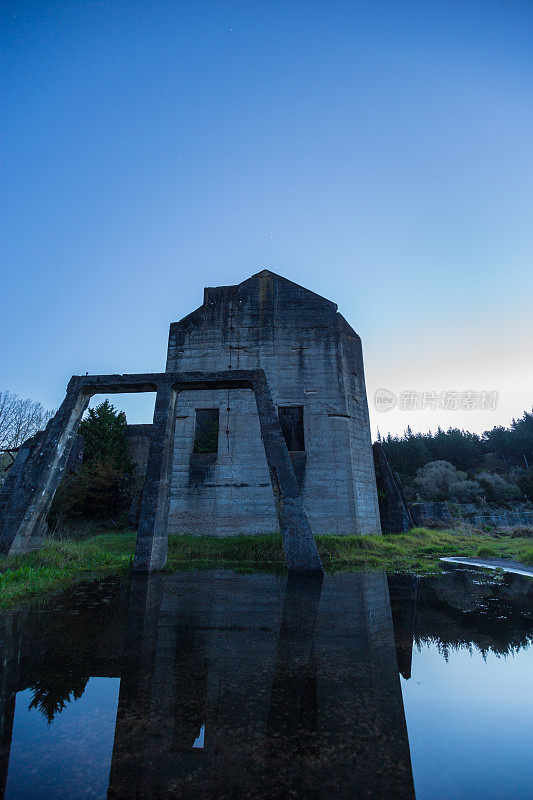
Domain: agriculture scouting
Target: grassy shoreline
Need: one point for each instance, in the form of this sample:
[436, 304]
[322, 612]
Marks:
[61, 562]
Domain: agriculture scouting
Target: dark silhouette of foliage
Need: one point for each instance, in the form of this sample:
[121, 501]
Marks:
[103, 489]
[51, 694]
[206, 440]
[206, 430]
[104, 438]
[465, 450]
[525, 483]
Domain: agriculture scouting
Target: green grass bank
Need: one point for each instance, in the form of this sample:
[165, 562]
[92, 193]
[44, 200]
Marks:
[62, 561]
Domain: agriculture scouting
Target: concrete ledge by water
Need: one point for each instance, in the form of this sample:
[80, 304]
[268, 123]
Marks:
[504, 564]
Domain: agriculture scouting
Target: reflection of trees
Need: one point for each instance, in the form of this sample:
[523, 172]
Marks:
[474, 611]
[52, 692]
[483, 643]
[65, 642]
[78, 634]
[461, 609]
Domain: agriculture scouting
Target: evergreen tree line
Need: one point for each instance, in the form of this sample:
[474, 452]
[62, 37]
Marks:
[466, 451]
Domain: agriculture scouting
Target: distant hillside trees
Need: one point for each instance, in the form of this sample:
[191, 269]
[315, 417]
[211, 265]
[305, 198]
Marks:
[525, 482]
[465, 451]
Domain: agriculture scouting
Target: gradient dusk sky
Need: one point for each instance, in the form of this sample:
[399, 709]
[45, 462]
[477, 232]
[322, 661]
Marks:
[378, 153]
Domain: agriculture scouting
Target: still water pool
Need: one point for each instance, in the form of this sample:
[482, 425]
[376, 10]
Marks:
[224, 685]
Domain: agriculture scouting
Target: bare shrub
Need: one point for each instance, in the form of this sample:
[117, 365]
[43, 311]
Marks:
[19, 419]
[465, 491]
[435, 478]
[440, 480]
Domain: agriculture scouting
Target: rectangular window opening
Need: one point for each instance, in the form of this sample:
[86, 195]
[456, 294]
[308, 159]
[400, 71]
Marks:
[206, 431]
[291, 419]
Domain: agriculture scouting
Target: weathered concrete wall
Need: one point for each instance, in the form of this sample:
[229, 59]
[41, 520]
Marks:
[312, 358]
[138, 437]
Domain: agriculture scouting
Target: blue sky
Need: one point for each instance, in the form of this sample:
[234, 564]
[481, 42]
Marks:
[379, 153]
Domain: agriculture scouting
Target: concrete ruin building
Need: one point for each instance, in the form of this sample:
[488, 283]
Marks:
[313, 363]
[260, 421]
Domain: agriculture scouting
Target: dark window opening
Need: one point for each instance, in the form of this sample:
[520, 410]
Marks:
[206, 431]
[291, 419]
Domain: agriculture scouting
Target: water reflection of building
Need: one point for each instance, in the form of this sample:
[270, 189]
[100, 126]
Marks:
[259, 688]
[233, 685]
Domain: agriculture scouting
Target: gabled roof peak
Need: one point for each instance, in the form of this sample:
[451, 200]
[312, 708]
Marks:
[266, 274]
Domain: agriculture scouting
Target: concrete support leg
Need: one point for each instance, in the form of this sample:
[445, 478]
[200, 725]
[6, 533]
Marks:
[135, 696]
[152, 532]
[299, 544]
[23, 519]
[11, 630]
[294, 656]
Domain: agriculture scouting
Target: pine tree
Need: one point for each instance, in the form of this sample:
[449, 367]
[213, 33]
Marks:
[104, 438]
[103, 488]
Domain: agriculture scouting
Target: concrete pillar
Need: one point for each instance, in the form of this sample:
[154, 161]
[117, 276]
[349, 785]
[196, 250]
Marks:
[359, 698]
[299, 544]
[137, 671]
[294, 669]
[152, 532]
[23, 519]
[11, 629]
